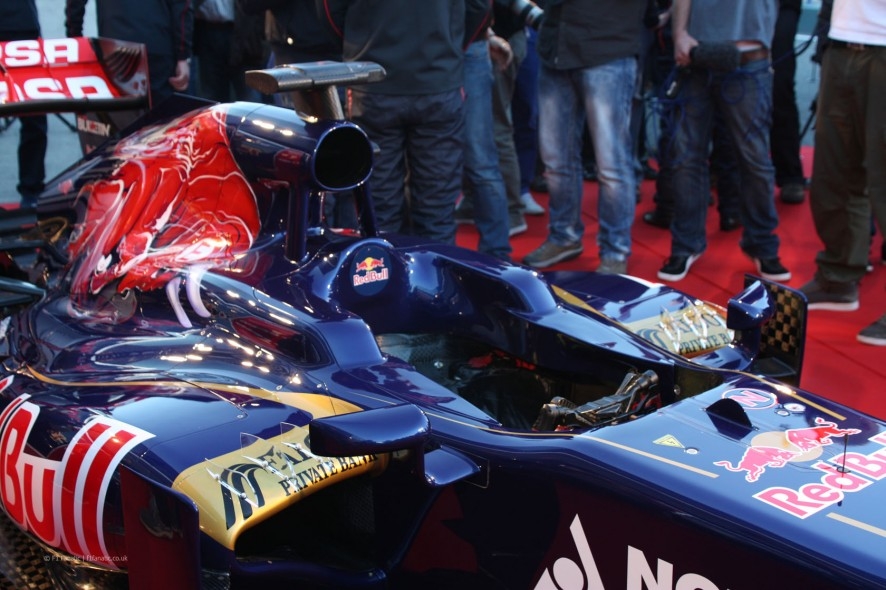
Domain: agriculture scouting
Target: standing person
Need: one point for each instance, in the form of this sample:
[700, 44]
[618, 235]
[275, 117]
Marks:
[19, 21]
[849, 165]
[524, 116]
[589, 51]
[785, 134]
[485, 200]
[297, 30]
[416, 114]
[165, 27]
[227, 43]
[743, 96]
[513, 28]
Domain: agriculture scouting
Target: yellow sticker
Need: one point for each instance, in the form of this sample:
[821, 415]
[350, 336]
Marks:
[669, 440]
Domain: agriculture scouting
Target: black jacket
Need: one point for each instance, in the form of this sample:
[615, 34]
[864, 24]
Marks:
[299, 30]
[420, 43]
[165, 27]
[589, 33]
[18, 20]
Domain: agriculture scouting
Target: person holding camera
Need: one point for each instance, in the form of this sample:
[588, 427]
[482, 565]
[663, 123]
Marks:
[723, 50]
[589, 51]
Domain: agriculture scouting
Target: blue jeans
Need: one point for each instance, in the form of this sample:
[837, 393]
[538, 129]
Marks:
[601, 96]
[744, 99]
[483, 182]
[524, 111]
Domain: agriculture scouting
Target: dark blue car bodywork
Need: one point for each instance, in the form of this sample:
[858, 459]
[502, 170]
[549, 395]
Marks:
[357, 409]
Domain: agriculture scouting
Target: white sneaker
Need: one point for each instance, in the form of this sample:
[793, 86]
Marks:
[530, 207]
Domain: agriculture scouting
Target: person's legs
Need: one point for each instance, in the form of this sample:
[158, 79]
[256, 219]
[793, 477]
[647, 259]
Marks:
[435, 157]
[524, 114]
[744, 98]
[875, 144]
[841, 209]
[381, 118]
[484, 182]
[502, 91]
[608, 92]
[689, 163]
[724, 166]
[785, 132]
[875, 148]
[31, 158]
[561, 121]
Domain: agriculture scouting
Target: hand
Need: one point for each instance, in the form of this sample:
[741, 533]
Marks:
[500, 52]
[182, 76]
[683, 45]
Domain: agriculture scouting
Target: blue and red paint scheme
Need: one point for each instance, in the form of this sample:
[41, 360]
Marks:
[205, 385]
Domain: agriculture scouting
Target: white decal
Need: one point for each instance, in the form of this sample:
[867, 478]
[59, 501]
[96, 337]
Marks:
[853, 472]
[568, 575]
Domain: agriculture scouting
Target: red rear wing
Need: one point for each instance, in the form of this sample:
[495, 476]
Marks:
[72, 75]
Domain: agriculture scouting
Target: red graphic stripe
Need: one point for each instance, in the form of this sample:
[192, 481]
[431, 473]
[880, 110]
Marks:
[73, 461]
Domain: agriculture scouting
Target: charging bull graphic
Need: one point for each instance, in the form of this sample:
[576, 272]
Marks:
[799, 441]
[177, 200]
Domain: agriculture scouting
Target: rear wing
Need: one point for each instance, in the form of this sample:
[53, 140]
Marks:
[104, 81]
[75, 74]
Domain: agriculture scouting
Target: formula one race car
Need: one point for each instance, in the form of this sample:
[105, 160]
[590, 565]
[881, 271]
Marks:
[205, 385]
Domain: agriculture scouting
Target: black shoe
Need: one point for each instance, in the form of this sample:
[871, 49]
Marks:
[676, 267]
[793, 193]
[657, 218]
[729, 223]
[772, 269]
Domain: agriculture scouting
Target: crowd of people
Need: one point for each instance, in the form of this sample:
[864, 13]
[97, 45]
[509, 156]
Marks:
[481, 96]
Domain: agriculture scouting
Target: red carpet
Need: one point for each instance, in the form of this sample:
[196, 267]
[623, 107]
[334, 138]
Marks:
[836, 366]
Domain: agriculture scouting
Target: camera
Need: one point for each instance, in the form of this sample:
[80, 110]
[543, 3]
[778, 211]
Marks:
[528, 12]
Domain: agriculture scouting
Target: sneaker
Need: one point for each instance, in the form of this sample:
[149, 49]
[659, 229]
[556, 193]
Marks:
[874, 334]
[613, 266]
[793, 193]
[676, 267]
[831, 296]
[550, 253]
[516, 225]
[530, 206]
[771, 269]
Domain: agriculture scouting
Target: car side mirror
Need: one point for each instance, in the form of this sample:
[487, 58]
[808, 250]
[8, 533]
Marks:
[387, 430]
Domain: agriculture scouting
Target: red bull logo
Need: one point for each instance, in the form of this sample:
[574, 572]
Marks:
[757, 459]
[795, 444]
[369, 270]
[62, 502]
[820, 435]
[843, 474]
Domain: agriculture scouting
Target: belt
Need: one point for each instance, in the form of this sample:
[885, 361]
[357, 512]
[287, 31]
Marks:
[853, 46]
[753, 55]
